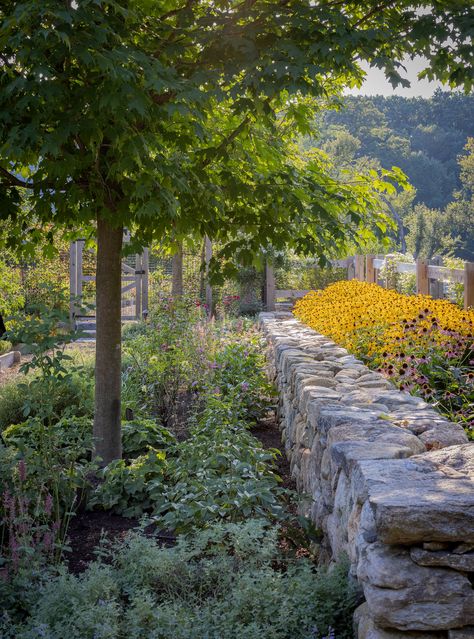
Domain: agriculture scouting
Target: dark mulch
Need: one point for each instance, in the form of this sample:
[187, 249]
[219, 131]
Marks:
[86, 531]
[268, 433]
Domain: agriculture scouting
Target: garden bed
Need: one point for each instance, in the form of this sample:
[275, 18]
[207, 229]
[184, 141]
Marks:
[424, 346]
[9, 359]
[201, 470]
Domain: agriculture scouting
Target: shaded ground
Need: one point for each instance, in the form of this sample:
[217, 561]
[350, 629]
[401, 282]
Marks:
[86, 531]
[268, 433]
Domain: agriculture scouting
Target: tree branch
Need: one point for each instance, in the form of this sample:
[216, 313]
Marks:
[376, 9]
[12, 180]
[15, 181]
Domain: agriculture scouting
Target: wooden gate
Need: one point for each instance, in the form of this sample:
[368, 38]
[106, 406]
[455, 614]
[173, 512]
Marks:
[134, 285]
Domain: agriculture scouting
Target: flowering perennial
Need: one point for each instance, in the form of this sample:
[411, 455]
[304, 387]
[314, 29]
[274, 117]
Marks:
[425, 346]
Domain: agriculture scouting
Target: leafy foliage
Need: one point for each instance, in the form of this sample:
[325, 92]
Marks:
[19, 400]
[11, 297]
[220, 582]
[5, 346]
[220, 472]
[56, 388]
[116, 93]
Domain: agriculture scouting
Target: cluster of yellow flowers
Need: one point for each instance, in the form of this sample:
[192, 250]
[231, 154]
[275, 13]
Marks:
[372, 321]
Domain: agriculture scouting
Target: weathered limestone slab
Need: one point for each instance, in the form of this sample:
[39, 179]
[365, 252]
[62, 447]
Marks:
[365, 628]
[463, 562]
[8, 359]
[421, 499]
[402, 595]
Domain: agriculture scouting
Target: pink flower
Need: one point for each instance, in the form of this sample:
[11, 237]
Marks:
[48, 540]
[22, 470]
[48, 504]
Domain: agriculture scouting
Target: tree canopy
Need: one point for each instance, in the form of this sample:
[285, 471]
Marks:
[176, 117]
[124, 109]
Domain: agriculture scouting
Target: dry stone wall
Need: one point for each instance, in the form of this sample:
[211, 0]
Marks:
[389, 481]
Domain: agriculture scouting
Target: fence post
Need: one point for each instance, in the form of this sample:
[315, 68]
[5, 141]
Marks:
[468, 285]
[207, 257]
[437, 286]
[145, 280]
[177, 272]
[138, 286]
[360, 267]
[422, 282]
[269, 287]
[72, 282]
[369, 269]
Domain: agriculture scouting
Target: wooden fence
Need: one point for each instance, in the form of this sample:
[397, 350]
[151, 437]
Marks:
[366, 268]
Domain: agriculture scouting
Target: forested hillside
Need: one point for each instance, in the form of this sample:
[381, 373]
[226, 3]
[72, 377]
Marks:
[432, 141]
[421, 136]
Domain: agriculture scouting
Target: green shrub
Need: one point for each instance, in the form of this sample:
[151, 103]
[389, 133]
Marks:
[239, 373]
[220, 583]
[11, 293]
[71, 436]
[5, 346]
[141, 434]
[132, 488]
[26, 399]
[134, 329]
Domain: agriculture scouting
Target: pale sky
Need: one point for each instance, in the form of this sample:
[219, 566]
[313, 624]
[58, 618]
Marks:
[376, 83]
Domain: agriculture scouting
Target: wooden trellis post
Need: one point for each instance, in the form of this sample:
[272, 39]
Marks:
[369, 269]
[72, 281]
[269, 292]
[468, 285]
[177, 273]
[359, 268]
[138, 286]
[422, 281]
[146, 269]
[75, 277]
[207, 257]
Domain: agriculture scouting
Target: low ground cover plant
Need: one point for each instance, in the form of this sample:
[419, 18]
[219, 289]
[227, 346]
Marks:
[230, 580]
[425, 346]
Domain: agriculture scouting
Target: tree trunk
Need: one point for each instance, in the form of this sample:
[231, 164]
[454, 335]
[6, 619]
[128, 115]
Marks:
[177, 273]
[107, 432]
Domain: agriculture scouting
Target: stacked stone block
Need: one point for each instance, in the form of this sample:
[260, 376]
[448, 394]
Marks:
[388, 480]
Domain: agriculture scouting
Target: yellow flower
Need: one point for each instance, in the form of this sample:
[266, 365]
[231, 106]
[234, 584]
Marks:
[369, 319]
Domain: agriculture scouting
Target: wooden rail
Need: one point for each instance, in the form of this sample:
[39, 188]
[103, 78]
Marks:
[366, 268]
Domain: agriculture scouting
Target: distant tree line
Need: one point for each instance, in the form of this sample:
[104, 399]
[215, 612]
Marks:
[432, 141]
[421, 136]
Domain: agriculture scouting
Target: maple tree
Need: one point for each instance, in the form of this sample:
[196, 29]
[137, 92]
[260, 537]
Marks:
[175, 118]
